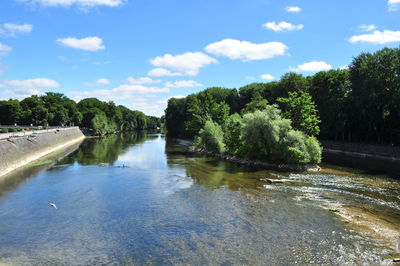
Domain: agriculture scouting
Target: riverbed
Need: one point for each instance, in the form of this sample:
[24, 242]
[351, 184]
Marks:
[141, 198]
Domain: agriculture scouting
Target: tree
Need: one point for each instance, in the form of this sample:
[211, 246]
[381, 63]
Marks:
[261, 133]
[301, 110]
[40, 115]
[233, 133]
[268, 136]
[176, 116]
[257, 103]
[99, 124]
[203, 107]
[375, 94]
[330, 92]
[10, 112]
[290, 82]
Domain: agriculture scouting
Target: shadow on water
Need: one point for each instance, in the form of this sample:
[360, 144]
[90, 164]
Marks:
[368, 165]
[12, 180]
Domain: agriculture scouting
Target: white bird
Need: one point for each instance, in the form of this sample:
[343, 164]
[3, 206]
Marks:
[53, 205]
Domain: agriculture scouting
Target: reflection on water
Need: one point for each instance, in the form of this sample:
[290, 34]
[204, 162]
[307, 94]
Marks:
[142, 199]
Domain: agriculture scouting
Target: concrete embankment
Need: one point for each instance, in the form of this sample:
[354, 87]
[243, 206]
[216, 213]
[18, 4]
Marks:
[20, 148]
[378, 159]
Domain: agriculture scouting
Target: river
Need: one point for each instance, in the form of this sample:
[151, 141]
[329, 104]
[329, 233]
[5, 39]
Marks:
[143, 199]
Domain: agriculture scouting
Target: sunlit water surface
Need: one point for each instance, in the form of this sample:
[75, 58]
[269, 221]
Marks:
[166, 206]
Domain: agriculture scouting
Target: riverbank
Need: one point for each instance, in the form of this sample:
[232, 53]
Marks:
[21, 148]
[257, 163]
[376, 159]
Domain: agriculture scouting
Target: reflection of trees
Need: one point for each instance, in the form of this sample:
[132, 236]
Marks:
[12, 180]
[106, 149]
[211, 172]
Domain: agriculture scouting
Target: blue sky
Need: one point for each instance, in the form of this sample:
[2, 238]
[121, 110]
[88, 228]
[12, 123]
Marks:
[139, 53]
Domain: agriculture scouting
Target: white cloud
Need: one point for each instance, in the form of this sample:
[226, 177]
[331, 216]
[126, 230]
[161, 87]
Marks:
[293, 9]
[183, 64]
[345, 67]
[282, 26]
[78, 3]
[4, 50]
[142, 80]
[377, 37]
[367, 27]
[88, 44]
[246, 51]
[122, 92]
[23, 88]
[101, 81]
[12, 30]
[267, 77]
[2, 68]
[155, 108]
[183, 84]
[162, 72]
[312, 66]
[177, 96]
[393, 5]
[101, 63]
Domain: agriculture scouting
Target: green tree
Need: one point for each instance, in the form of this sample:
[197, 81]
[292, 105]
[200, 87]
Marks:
[10, 112]
[375, 96]
[203, 107]
[330, 92]
[261, 133]
[301, 110]
[176, 116]
[257, 103]
[99, 124]
[40, 115]
[233, 133]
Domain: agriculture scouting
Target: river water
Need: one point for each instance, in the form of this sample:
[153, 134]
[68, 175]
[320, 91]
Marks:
[142, 199]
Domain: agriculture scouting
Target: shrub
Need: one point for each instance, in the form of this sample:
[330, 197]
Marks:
[4, 130]
[261, 133]
[211, 137]
[99, 124]
[233, 133]
[314, 149]
[295, 147]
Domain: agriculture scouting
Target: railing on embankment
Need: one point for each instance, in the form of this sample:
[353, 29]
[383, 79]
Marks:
[31, 132]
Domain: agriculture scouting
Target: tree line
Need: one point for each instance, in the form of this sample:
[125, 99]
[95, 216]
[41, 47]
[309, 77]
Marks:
[55, 109]
[357, 104]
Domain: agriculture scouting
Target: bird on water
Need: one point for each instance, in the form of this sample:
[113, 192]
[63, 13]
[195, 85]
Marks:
[53, 205]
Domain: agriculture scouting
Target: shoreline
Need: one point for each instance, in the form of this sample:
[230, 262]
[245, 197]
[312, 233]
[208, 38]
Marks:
[257, 163]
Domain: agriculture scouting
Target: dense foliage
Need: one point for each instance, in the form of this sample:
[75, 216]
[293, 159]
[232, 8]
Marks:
[55, 109]
[211, 137]
[358, 104]
[262, 134]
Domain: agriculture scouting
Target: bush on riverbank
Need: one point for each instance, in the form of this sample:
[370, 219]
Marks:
[211, 137]
[260, 135]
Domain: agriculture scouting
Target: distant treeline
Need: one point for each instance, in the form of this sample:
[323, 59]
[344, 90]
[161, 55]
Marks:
[358, 104]
[55, 109]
